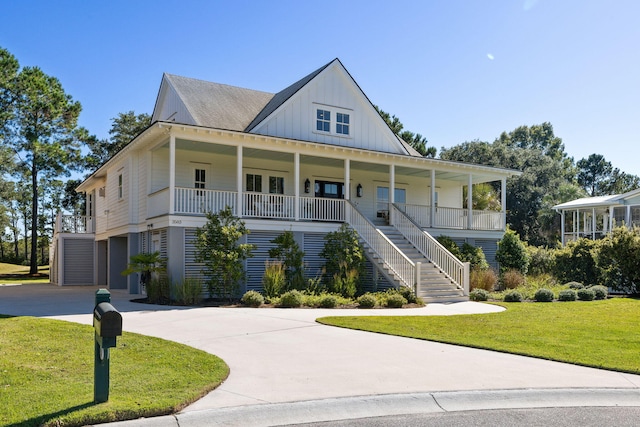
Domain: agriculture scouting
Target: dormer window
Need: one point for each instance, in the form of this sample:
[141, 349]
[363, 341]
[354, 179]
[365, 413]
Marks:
[333, 120]
[342, 124]
[323, 121]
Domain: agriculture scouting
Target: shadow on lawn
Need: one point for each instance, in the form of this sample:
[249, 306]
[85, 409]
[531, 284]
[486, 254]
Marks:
[41, 419]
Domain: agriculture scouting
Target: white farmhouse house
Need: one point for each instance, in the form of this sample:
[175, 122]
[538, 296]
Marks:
[594, 217]
[306, 159]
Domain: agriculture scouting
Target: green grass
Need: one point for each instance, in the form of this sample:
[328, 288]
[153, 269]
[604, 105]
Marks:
[46, 375]
[19, 274]
[601, 334]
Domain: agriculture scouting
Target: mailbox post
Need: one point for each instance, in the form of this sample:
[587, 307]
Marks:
[107, 323]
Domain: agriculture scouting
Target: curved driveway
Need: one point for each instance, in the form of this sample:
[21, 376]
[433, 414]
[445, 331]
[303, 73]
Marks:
[283, 355]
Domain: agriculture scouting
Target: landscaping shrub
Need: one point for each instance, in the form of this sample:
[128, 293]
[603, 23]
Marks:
[158, 289]
[273, 279]
[345, 261]
[543, 295]
[577, 262]
[618, 256]
[218, 247]
[252, 299]
[541, 260]
[366, 301]
[512, 296]
[512, 253]
[601, 292]
[188, 291]
[450, 245]
[567, 295]
[291, 299]
[512, 279]
[586, 294]
[478, 295]
[328, 301]
[574, 285]
[288, 252]
[395, 300]
[408, 294]
[475, 257]
[483, 279]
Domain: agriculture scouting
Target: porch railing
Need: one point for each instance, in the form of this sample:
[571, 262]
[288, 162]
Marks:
[274, 206]
[201, 201]
[322, 209]
[455, 218]
[451, 266]
[73, 224]
[405, 270]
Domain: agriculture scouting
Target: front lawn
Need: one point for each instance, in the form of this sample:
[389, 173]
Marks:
[602, 334]
[46, 375]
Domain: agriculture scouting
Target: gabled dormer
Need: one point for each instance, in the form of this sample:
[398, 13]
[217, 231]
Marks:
[327, 106]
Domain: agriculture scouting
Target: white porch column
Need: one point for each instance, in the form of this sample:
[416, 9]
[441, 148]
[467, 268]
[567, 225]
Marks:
[432, 214]
[172, 174]
[593, 224]
[503, 201]
[627, 217]
[470, 203]
[296, 187]
[562, 226]
[347, 179]
[392, 191]
[239, 210]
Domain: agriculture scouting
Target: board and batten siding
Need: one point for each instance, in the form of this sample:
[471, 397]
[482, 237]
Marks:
[296, 118]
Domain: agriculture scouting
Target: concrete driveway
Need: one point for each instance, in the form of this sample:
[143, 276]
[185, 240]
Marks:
[283, 355]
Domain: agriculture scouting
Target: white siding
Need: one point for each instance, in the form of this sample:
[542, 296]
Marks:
[118, 208]
[171, 106]
[332, 88]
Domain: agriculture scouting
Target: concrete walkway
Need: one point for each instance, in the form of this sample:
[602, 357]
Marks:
[279, 356]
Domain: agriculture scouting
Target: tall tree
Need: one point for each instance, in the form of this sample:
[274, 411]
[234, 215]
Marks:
[593, 174]
[124, 128]
[43, 135]
[415, 140]
[8, 75]
[540, 155]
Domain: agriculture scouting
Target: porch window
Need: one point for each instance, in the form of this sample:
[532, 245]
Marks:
[200, 179]
[323, 120]
[276, 185]
[342, 125]
[254, 183]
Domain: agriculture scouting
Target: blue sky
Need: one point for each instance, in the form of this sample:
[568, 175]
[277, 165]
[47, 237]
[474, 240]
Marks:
[451, 70]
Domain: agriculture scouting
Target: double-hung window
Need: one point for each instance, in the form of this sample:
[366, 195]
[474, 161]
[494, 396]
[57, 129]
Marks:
[254, 183]
[323, 120]
[331, 120]
[342, 124]
[120, 189]
[200, 180]
[276, 185]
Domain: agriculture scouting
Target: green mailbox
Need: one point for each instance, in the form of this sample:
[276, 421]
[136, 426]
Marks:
[107, 323]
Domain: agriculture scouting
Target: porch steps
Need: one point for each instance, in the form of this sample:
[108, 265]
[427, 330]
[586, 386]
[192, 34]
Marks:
[434, 286]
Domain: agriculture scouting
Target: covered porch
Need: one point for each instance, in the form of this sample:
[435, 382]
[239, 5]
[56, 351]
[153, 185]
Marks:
[298, 181]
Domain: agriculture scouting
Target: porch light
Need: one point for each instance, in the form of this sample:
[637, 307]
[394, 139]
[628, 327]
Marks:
[359, 190]
[307, 185]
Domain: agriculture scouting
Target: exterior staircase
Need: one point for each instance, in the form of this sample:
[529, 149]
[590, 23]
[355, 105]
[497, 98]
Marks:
[434, 286]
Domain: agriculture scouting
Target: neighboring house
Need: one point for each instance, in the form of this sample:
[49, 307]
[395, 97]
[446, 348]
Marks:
[594, 217]
[306, 159]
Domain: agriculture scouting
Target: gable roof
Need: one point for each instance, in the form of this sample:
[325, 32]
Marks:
[280, 97]
[219, 105]
[592, 202]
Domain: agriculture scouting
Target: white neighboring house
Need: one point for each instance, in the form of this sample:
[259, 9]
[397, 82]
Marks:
[594, 217]
[306, 159]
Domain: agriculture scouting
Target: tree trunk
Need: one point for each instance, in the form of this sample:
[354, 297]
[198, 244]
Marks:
[33, 269]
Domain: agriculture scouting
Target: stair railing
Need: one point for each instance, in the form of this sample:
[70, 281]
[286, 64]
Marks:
[405, 270]
[456, 270]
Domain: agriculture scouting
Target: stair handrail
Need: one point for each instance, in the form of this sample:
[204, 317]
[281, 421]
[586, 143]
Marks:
[456, 270]
[394, 259]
